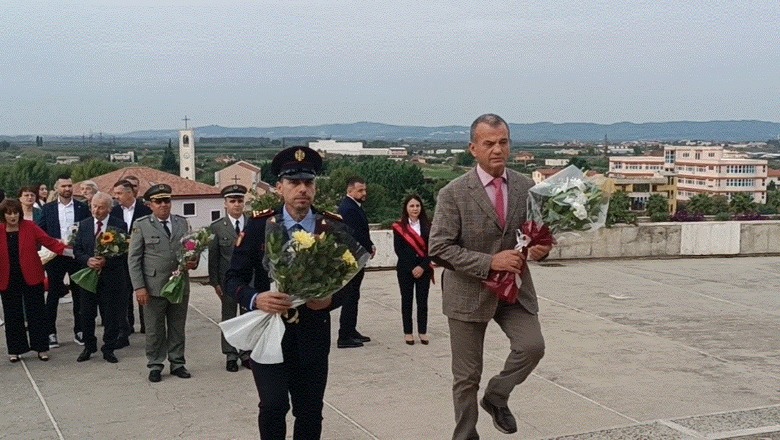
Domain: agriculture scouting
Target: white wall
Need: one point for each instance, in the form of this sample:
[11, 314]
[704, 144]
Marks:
[203, 208]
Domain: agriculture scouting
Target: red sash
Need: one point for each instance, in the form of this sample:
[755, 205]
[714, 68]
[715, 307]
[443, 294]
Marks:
[414, 240]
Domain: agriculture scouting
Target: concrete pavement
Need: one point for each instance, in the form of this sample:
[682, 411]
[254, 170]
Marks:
[636, 349]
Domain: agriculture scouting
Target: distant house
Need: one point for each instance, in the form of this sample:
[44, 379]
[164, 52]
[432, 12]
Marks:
[242, 173]
[524, 157]
[398, 152]
[330, 146]
[199, 203]
[123, 157]
[544, 173]
[556, 162]
[67, 160]
[773, 175]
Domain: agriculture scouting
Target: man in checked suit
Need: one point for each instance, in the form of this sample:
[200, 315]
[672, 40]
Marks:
[473, 234]
[226, 231]
[56, 219]
[110, 294]
[153, 256]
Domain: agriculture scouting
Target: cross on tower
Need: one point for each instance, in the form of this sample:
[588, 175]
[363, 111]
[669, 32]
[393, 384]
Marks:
[235, 179]
[185, 121]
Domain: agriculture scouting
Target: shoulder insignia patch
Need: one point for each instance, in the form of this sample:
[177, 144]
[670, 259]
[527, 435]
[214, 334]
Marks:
[332, 215]
[239, 239]
[264, 213]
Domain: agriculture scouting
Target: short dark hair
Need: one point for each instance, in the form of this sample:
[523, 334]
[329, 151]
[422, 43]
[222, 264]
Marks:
[9, 206]
[490, 119]
[30, 189]
[355, 179]
[125, 184]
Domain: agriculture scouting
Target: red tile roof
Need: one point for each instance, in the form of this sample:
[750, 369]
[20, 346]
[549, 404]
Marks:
[772, 172]
[149, 176]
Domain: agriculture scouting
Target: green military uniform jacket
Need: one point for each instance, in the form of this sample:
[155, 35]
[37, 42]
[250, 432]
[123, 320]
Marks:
[153, 256]
[221, 249]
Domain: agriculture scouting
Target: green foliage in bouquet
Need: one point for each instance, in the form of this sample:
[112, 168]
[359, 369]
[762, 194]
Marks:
[309, 266]
[111, 243]
[192, 245]
[573, 209]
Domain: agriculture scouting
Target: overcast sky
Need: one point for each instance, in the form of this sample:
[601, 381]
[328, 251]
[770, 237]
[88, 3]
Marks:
[71, 67]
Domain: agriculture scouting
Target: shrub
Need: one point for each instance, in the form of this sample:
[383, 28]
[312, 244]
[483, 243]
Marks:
[659, 217]
[750, 216]
[684, 216]
[722, 216]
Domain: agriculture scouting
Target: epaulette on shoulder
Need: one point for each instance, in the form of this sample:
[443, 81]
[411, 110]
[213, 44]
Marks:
[262, 214]
[332, 216]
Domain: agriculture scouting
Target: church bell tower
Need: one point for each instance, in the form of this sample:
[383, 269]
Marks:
[187, 152]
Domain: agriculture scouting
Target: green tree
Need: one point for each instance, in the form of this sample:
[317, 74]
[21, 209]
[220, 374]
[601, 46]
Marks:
[580, 163]
[465, 159]
[771, 186]
[88, 170]
[699, 204]
[720, 203]
[657, 206]
[27, 172]
[4, 145]
[742, 203]
[168, 162]
[773, 199]
[620, 209]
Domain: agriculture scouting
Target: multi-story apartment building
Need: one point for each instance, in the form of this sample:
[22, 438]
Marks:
[699, 170]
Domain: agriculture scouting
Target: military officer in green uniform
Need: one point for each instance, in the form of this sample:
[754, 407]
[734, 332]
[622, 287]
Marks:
[226, 230]
[302, 378]
[152, 258]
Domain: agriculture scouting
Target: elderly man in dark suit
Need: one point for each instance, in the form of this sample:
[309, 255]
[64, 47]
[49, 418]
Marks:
[226, 230]
[110, 294]
[129, 209]
[57, 218]
[351, 210]
[473, 234]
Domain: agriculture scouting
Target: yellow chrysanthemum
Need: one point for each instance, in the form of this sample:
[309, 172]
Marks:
[349, 258]
[303, 239]
[107, 238]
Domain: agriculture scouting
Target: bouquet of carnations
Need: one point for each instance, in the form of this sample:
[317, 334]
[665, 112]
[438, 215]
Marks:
[306, 266]
[111, 243]
[567, 202]
[192, 245]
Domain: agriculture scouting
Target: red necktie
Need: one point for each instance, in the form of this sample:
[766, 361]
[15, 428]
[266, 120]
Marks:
[498, 202]
[99, 227]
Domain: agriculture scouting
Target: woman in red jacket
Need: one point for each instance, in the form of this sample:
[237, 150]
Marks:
[22, 291]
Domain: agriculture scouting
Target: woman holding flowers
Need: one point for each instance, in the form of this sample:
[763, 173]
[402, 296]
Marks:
[22, 291]
[414, 270]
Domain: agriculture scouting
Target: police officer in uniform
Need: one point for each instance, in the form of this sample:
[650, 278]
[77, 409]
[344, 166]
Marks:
[152, 258]
[226, 231]
[303, 375]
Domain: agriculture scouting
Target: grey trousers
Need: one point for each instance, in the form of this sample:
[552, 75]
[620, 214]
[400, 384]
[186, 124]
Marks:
[229, 310]
[467, 343]
[165, 332]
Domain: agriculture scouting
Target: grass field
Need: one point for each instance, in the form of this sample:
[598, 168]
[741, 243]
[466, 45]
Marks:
[445, 172]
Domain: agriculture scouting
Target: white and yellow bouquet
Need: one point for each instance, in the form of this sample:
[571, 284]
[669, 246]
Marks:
[304, 265]
[111, 243]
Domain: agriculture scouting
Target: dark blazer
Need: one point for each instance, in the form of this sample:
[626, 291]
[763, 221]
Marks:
[50, 217]
[139, 211]
[407, 257]
[356, 219]
[30, 237]
[84, 247]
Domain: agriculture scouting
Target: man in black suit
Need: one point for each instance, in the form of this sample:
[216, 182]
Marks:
[129, 209]
[57, 218]
[351, 211]
[111, 293]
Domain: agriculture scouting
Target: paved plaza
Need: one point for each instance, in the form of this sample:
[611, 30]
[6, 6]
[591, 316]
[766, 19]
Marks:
[636, 349]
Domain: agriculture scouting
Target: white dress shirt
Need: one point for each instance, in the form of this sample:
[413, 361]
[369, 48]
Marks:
[127, 214]
[66, 217]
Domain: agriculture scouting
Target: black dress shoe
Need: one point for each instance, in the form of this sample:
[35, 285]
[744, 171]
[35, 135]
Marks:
[110, 357]
[182, 373]
[122, 343]
[155, 375]
[246, 363]
[85, 355]
[348, 343]
[503, 419]
[232, 365]
[361, 338]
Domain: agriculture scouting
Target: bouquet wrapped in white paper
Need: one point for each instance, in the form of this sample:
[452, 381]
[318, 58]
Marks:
[306, 266]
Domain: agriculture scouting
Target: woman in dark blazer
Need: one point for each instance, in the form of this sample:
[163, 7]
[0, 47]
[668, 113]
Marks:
[22, 291]
[414, 270]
